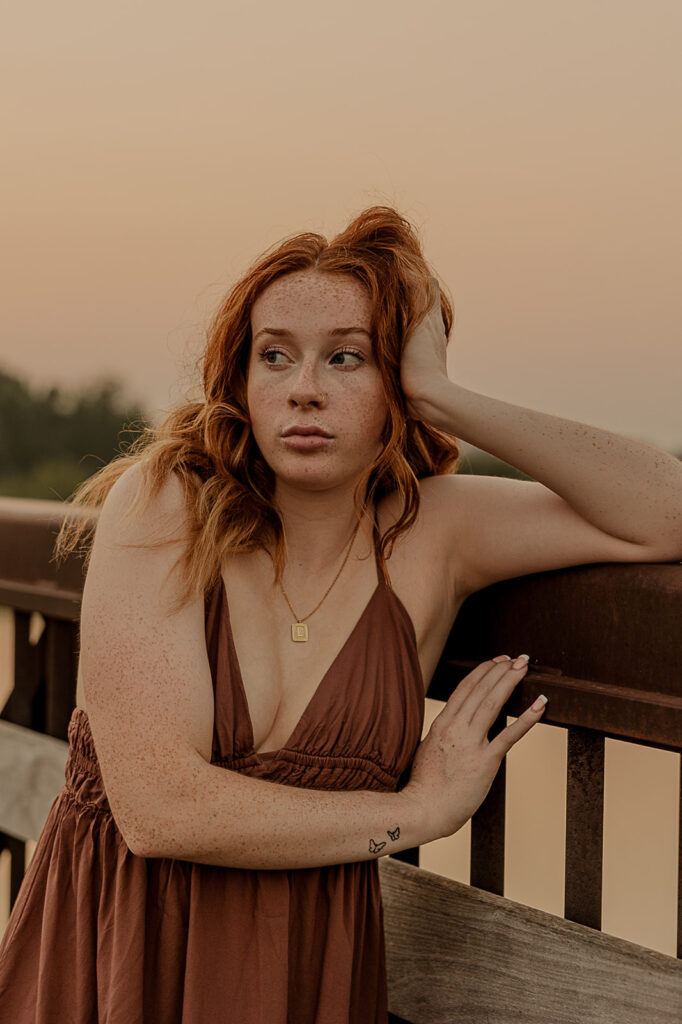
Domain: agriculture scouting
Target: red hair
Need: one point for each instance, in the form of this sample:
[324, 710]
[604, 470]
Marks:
[209, 443]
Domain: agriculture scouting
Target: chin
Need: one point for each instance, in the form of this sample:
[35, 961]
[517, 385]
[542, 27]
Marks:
[313, 474]
[308, 476]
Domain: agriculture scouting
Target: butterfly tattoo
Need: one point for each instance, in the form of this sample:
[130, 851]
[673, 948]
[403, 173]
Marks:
[395, 834]
[375, 847]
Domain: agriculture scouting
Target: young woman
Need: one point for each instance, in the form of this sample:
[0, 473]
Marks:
[272, 580]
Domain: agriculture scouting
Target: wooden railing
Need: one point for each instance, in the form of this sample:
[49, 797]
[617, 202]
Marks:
[606, 646]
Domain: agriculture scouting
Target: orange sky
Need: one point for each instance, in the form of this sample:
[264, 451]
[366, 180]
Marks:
[154, 149]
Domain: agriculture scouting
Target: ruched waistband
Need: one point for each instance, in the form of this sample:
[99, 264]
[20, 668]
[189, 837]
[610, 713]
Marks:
[290, 767]
[83, 776]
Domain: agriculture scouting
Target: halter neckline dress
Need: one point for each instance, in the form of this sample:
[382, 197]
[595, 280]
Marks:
[100, 934]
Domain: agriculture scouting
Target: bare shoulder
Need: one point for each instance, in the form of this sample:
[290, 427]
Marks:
[122, 517]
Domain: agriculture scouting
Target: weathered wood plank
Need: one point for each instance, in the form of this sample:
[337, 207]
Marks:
[32, 773]
[620, 712]
[459, 955]
[43, 597]
[615, 623]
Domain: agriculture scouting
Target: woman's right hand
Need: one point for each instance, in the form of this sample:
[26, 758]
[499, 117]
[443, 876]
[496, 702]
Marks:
[455, 763]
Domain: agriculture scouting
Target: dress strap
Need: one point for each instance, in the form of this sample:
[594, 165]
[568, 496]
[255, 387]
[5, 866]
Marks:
[382, 572]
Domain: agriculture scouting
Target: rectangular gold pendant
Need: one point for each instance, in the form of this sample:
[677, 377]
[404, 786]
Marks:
[299, 631]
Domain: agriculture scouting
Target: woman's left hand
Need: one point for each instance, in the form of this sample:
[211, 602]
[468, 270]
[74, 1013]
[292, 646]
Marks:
[423, 366]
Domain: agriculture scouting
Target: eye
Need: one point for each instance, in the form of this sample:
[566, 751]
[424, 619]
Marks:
[273, 351]
[349, 352]
[269, 352]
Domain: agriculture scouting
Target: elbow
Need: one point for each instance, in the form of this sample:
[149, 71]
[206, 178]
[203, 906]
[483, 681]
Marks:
[143, 836]
[135, 839]
[137, 850]
[153, 814]
[154, 839]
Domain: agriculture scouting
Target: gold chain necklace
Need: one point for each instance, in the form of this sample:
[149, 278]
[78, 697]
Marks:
[299, 628]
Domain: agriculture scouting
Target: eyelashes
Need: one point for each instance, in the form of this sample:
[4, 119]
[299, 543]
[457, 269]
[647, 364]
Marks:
[342, 351]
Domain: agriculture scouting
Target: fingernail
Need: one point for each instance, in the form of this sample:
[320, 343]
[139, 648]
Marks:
[521, 661]
[539, 703]
[502, 657]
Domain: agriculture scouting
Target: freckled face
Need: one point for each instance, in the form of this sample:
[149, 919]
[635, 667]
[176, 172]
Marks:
[311, 377]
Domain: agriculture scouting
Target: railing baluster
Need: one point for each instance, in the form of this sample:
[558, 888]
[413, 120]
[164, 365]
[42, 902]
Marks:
[61, 670]
[487, 828]
[584, 826]
[25, 706]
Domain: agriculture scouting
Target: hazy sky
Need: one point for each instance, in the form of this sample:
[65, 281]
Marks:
[153, 150]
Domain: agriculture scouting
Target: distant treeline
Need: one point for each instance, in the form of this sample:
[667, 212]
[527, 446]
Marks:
[51, 440]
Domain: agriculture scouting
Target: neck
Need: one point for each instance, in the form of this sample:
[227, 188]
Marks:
[318, 527]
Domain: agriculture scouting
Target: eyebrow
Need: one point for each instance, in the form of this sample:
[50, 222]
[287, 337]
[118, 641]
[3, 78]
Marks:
[283, 332]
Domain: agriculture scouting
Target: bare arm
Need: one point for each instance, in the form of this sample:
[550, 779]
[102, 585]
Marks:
[149, 697]
[237, 821]
[625, 488]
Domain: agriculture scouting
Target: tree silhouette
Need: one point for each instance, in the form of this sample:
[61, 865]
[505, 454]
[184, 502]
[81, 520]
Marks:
[51, 440]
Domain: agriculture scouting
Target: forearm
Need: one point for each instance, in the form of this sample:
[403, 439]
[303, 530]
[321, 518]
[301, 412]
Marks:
[236, 821]
[626, 488]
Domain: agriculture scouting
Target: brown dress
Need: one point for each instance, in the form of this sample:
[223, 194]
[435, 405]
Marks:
[98, 934]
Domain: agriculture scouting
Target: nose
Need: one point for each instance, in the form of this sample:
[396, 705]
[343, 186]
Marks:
[305, 388]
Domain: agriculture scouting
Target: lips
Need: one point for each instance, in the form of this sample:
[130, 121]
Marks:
[305, 431]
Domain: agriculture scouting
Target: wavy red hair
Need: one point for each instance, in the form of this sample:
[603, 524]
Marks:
[209, 443]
